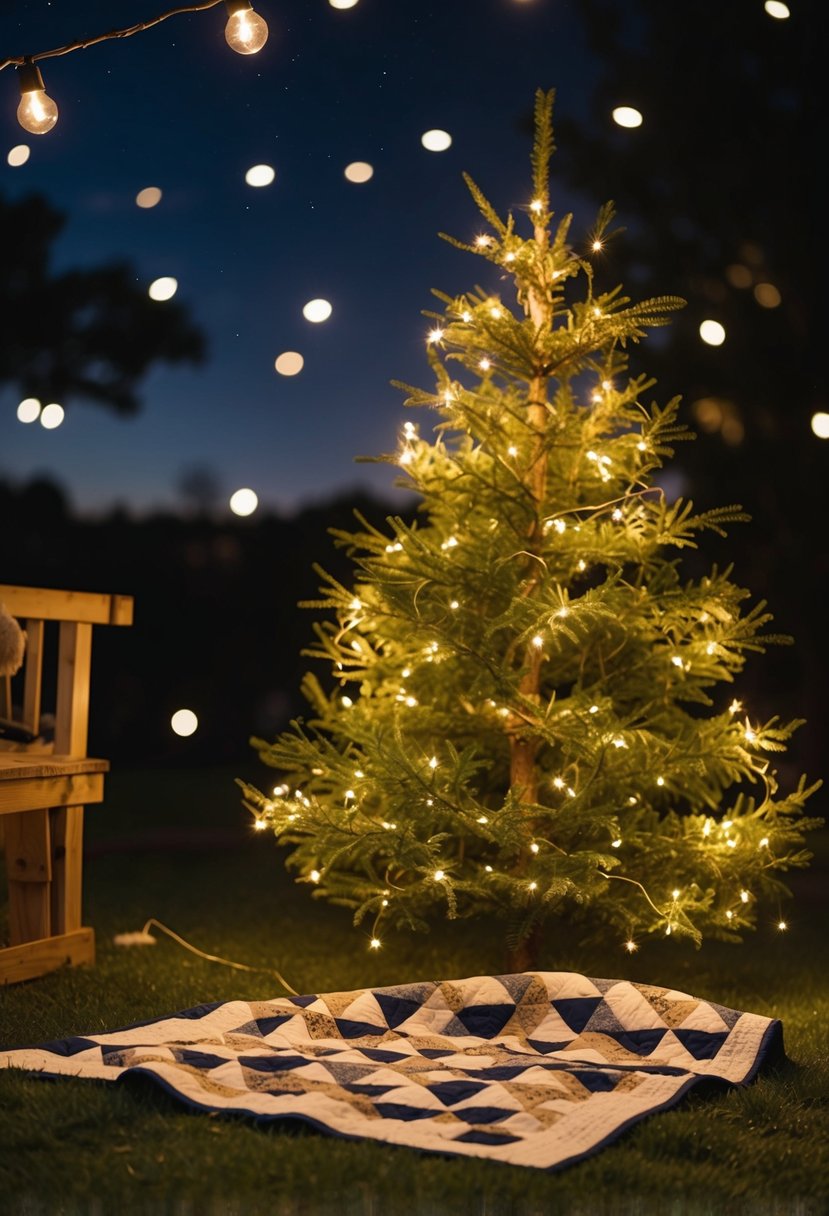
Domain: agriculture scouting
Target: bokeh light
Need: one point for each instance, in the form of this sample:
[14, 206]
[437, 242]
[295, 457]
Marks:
[28, 410]
[778, 10]
[18, 155]
[712, 333]
[260, 175]
[436, 140]
[51, 415]
[317, 310]
[359, 171]
[244, 501]
[150, 196]
[739, 275]
[289, 363]
[820, 424]
[767, 295]
[184, 722]
[163, 289]
[342, 3]
[627, 116]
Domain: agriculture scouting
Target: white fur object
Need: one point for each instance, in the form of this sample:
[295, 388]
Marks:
[12, 644]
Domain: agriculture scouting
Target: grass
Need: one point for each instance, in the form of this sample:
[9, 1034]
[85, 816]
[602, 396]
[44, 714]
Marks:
[78, 1146]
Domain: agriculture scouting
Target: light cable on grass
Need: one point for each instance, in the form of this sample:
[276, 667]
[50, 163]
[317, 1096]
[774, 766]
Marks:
[144, 938]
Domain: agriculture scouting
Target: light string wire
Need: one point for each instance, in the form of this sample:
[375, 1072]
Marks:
[83, 43]
[211, 958]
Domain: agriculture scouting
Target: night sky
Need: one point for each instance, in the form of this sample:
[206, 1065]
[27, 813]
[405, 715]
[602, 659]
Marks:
[175, 108]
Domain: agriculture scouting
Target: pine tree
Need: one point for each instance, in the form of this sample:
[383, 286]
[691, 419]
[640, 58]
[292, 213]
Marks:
[522, 719]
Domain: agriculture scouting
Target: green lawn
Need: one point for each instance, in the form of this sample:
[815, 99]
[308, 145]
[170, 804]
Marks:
[178, 846]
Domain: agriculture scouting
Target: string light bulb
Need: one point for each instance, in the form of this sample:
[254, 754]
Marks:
[246, 32]
[37, 113]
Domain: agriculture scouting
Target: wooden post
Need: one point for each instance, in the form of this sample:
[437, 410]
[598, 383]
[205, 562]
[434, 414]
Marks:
[33, 675]
[29, 868]
[71, 725]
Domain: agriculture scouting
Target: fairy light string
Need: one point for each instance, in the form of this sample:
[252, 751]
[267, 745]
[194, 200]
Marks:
[246, 32]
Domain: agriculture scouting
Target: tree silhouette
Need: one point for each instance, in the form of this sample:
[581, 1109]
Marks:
[716, 189]
[82, 334]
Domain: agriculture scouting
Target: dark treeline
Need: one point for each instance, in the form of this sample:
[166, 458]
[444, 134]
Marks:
[217, 628]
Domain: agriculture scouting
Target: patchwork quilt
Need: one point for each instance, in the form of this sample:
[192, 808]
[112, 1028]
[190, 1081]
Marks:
[535, 1069]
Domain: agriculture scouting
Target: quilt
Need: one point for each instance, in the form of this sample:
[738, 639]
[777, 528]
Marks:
[535, 1069]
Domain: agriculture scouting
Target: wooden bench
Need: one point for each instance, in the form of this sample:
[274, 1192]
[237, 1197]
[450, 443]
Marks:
[45, 784]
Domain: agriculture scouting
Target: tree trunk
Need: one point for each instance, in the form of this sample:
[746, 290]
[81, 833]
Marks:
[524, 956]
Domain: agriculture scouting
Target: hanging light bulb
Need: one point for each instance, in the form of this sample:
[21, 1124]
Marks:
[37, 112]
[246, 32]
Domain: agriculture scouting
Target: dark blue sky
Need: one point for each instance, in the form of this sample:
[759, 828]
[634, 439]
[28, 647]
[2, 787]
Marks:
[174, 107]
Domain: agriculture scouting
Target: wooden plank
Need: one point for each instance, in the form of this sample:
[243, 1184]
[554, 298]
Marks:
[72, 709]
[28, 961]
[30, 911]
[28, 855]
[47, 604]
[34, 763]
[33, 675]
[66, 827]
[5, 696]
[42, 792]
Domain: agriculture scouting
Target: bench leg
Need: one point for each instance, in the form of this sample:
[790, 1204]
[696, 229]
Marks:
[29, 868]
[67, 866]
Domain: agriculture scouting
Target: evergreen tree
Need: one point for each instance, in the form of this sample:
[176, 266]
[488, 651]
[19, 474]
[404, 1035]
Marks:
[523, 720]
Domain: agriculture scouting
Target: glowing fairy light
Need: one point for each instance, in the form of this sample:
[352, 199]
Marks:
[243, 501]
[451, 542]
[750, 735]
[560, 526]
[374, 944]
[744, 897]
[433, 763]
[564, 611]
[534, 847]
[495, 313]
[466, 316]
[675, 894]
[436, 140]
[677, 661]
[512, 450]
[538, 641]
[594, 709]
[289, 363]
[485, 364]
[51, 416]
[483, 241]
[631, 946]
[641, 446]
[617, 515]
[627, 116]
[163, 289]
[28, 410]
[435, 335]
[660, 780]
[260, 175]
[411, 702]
[406, 672]
[619, 742]
[409, 430]
[616, 844]
[405, 457]
[764, 843]
[149, 197]
[315, 876]
[454, 605]
[782, 926]
[259, 825]
[735, 707]
[349, 795]
[358, 172]
[532, 886]
[582, 566]
[509, 257]
[18, 155]
[596, 246]
[482, 819]
[439, 875]
[536, 206]
[558, 783]
[488, 869]
[712, 332]
[184, 723]
[820, 424]
[317, 311]
[729, 915]
[346, 702]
